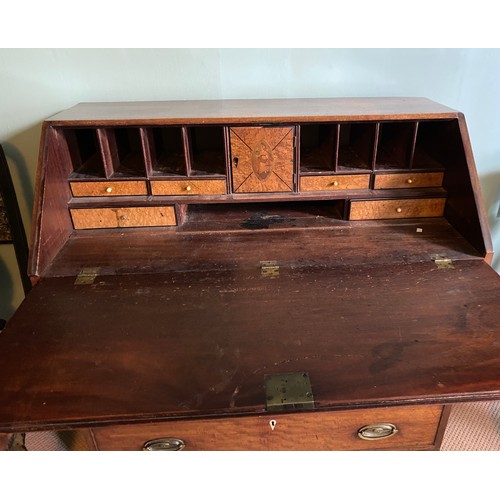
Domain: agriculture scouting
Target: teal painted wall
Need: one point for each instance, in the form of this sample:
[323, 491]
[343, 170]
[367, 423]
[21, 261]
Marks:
[36, 83]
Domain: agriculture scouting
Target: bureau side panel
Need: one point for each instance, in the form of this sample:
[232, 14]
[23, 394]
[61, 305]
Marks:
[51, 221]
[464, 207]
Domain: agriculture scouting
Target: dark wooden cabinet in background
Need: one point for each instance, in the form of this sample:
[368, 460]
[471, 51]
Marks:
[269, 274]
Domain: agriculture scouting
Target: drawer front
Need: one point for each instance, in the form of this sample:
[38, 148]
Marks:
[409, 180]
[334, 182]
[188, 187]
[110, 188]
[97, 218]
[397, 209]
[327, 430]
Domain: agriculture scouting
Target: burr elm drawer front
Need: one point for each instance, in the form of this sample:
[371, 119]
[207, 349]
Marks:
[110, 188]
[397, 209]
[334, 182]
[97, 218]
[409, 180]
[188, 187]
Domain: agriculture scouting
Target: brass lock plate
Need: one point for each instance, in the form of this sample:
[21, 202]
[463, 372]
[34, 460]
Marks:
[288, 391]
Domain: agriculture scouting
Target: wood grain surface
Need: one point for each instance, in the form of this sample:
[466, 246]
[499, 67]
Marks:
[94, 218]
[181, 325]
[51, 224]
[334, 182]
[378, 242]
[189, 187]
[408, 180]
[262, 159]
[397, 209]
[257, 111]
[199, 343]
[109, 188]
[337, 430]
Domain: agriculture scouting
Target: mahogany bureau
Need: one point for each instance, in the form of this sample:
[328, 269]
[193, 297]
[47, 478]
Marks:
[303, 274]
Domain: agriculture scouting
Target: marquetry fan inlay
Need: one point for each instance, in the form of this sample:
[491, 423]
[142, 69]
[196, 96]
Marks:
[262, 159]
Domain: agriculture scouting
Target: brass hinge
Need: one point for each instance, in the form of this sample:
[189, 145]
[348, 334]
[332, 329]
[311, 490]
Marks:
[442, 261]
[87, 275]
[269, 269]
[289, 391]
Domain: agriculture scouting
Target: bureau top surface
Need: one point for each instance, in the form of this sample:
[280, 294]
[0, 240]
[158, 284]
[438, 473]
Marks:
[253, 110]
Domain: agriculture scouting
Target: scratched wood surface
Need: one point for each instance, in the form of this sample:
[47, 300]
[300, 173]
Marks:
[133, 347]
[215, 247]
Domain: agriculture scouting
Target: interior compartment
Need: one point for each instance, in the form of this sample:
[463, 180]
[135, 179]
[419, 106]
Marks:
[395, 145]
[167, 151]
[432, 144]
[264, 216]
[207, 150]
[318, 147]
[126, 151]
[356, 144]
[85, 152]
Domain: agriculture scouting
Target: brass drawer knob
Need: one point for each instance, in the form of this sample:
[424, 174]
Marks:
[188, 188]
[164, 444]
[399, 210]
[109, 190]
[335, 183]
[373, 432]
[410, 181]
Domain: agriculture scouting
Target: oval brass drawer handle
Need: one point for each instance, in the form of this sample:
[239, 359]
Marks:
[377, 431]
[164, 444]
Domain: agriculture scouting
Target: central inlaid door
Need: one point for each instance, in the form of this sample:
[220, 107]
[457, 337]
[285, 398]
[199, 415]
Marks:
[262, 159]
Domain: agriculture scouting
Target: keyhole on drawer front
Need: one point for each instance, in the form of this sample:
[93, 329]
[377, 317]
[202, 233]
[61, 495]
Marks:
[235, 161]
[272, 424]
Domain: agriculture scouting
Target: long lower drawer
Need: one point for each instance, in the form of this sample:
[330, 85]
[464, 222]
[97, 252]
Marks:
[397, 428]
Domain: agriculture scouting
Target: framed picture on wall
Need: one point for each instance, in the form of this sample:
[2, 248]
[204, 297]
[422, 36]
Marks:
[5, 234]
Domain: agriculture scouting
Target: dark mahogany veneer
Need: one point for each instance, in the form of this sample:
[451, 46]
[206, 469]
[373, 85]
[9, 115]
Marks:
[225, 241]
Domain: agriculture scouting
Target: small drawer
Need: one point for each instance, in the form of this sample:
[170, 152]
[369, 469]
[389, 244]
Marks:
[409, 180]
[401, 428]
[109, 188]
[188, 187]
[98, 218]
[334, 182]
[397, 209]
